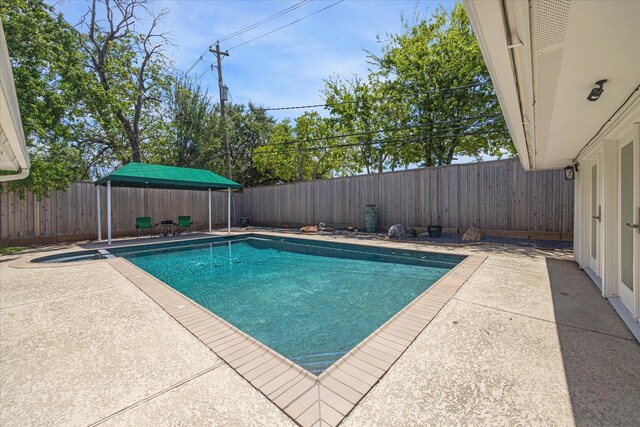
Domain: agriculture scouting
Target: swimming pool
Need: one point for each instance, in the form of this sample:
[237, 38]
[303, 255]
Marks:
[261, 300]
[310, 301]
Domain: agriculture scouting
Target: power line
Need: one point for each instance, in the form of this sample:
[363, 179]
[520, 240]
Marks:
[203, 73]
[365, 144]
[255, 25]
[286, 25]
[376, 98]
[387, 141]
[300, 107]
[200, 58]
[265, 20]
[465, 119]
[357, 144]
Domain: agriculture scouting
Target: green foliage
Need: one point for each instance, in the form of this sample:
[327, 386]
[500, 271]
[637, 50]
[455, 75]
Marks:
[197, 134]
[248, 128]
[129, 80]
[10, 250]
[49, 76]
[95, 98]
[88, 101]
[301, 150]
[361, 111]
[432, 86]
[193, 126]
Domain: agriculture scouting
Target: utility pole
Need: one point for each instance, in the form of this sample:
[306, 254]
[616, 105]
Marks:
[219, 54]
[223, 97]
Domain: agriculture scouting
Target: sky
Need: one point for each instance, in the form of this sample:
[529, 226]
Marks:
[286, 68]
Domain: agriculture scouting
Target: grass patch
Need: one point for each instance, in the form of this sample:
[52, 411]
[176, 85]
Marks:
[10, 250]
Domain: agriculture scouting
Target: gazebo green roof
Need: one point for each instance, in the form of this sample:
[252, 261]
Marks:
[172, 177]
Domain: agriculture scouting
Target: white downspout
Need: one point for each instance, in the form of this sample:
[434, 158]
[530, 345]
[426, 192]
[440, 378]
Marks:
[99, 213]
[229, 211]
[209, 210]
[109, 213]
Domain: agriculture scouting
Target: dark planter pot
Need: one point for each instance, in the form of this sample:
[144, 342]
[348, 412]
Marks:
[434, 230]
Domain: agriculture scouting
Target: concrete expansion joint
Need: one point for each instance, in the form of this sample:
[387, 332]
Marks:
[159, 393]
[544, 320]
[61, 297]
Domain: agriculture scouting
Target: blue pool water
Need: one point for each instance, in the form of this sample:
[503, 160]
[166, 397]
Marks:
[310, 303]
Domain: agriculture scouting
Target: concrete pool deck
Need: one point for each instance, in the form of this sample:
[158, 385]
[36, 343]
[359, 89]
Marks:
[526, 340]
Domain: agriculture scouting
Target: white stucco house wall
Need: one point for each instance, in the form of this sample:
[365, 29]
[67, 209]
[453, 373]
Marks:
[545, 58]
[13, 149]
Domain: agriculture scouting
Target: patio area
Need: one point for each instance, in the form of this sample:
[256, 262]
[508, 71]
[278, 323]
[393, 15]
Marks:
[526, 340]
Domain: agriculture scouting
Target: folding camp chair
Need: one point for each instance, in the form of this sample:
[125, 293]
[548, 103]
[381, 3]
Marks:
[184, 224]
[144, 223]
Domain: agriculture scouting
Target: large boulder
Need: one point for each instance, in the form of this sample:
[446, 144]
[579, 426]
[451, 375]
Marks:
[309, 229]
[397, 232]
[472, 234]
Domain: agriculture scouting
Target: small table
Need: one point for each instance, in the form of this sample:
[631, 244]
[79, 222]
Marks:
[166, 227]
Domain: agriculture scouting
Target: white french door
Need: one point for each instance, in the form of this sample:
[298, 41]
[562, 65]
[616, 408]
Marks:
[595, 217]
[628, 218]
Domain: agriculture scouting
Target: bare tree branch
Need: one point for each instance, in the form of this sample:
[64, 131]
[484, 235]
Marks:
[121, 17]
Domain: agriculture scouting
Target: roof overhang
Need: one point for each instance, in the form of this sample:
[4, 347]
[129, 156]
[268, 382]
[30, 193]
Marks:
[13, 149]
[544, 57]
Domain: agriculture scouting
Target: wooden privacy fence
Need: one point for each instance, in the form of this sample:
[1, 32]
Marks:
[71, 214]
[497, 196]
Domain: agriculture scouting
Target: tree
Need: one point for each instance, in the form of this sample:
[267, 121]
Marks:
[129, 68]
[193, 126]
[361, 111]
[249, 128]
[48, 70]
[309, 148]
[436, 68]
[196, 126]
[428, 98]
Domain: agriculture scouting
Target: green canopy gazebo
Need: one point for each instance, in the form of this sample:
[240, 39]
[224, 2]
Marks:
[143, 175]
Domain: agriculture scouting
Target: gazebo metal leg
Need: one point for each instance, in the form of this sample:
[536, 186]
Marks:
[99, 213]
[109, 213]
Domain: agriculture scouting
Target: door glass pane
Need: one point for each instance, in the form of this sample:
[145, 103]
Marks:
[594, 208]
[626, 214]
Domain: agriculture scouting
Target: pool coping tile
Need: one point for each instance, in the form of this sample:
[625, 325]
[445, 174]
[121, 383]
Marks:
[307, 399]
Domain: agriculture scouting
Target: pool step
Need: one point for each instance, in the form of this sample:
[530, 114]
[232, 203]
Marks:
[317, 363]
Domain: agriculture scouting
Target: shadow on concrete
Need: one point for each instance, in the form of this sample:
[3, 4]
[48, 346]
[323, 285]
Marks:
[102, 244]
[600, 355]
[525, 251]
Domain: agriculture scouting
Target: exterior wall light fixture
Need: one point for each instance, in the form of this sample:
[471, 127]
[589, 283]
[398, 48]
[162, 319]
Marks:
[597, 91]
[569, 173]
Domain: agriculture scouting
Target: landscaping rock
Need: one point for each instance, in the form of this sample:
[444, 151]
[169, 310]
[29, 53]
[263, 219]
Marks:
[397, 232]
[472, 234]
[309, 229]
